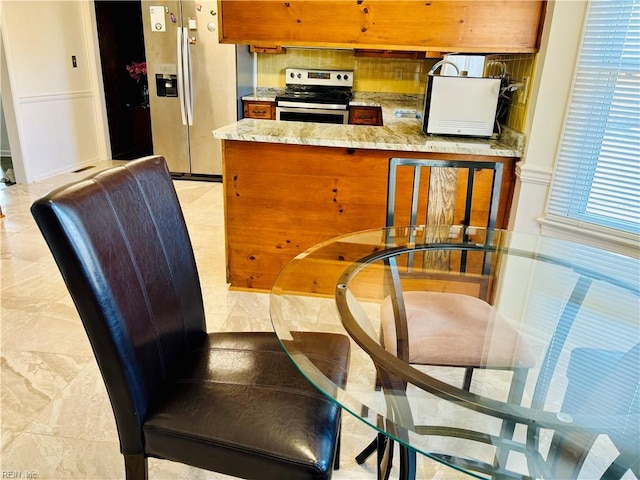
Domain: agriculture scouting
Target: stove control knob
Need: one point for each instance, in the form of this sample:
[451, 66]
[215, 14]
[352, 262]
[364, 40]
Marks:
[346, 77]
[299, 75]
[292, 75]
[339, 76]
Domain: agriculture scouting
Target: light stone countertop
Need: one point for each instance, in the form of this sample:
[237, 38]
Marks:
[402, 134]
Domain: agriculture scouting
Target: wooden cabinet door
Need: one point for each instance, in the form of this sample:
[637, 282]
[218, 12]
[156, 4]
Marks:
[365, 116]
[259, 109]
[441, 26]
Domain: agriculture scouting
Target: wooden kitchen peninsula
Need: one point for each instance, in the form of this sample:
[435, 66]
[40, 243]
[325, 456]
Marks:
[290, 185]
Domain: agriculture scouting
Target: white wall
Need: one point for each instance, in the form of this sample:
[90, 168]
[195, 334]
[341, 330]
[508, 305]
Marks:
[557, 58]
[5, 145]
[56, 108]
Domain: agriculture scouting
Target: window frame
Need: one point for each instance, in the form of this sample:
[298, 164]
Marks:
[582, 229]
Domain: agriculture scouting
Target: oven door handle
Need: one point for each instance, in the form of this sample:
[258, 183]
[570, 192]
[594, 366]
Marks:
[310, 105]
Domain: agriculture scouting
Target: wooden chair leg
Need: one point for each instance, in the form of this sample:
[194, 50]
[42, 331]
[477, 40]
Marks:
[135, 467]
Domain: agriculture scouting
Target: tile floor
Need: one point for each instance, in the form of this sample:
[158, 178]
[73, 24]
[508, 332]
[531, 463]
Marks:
[56, 421]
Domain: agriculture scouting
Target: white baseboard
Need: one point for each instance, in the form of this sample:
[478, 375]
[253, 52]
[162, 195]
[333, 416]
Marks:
[65, 169]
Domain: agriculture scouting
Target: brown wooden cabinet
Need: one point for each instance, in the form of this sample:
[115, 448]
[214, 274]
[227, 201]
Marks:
[412, 54]
[267, 49]
[259, 109]
[282, 199]
[363, 115]
[438, 26]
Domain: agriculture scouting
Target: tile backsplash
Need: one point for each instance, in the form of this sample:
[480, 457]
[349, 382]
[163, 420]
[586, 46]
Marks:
[391, 75]
[521, 68]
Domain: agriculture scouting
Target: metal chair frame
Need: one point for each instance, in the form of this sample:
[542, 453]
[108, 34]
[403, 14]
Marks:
[394, 286]
[570, 444]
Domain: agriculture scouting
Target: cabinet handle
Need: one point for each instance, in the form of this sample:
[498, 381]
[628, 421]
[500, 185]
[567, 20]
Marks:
[259, 112]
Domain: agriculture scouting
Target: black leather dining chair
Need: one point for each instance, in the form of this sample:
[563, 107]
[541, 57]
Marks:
[231, 402]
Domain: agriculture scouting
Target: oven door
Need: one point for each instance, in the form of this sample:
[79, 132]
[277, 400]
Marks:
[317, 115]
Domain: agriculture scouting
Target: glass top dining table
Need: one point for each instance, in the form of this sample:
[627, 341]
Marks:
[553, 392]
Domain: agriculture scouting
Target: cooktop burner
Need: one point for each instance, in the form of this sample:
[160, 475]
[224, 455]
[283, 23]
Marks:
[317, 95]
[317, 87]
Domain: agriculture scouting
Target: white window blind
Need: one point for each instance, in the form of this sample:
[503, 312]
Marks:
[597, 178]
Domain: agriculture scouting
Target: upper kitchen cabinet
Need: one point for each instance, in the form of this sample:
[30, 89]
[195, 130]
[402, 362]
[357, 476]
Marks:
[442, 26]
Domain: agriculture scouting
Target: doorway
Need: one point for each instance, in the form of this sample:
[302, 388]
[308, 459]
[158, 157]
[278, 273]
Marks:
[7, 177]
[123, 62]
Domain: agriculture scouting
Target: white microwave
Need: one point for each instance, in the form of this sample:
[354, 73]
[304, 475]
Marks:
[460, 105]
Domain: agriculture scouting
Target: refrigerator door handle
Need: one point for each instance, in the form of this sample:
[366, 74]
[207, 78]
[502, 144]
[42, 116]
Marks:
[188, 78]
[181, 92]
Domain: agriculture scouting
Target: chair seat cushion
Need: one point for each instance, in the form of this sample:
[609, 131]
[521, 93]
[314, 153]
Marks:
[451, 329]
[241, 395]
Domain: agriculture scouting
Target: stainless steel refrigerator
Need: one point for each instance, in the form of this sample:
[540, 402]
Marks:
[192, 83]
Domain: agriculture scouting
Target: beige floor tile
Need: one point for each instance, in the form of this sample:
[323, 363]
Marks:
[31, 381]
[47, 457]
[42, 332]
[82, 410]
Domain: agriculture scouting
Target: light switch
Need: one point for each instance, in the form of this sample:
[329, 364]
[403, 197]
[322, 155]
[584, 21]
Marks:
[158, 23]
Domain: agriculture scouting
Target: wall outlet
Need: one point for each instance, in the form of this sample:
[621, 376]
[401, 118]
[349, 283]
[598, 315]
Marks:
[523, 92]
[399, 73]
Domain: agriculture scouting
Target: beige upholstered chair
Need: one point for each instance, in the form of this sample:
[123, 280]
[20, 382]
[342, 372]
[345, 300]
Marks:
[438, 320]
[459, 312]
[451, 325]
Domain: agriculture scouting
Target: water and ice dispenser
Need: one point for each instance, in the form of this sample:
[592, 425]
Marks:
[166, 80]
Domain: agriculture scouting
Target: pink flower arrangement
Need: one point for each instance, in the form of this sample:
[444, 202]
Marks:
[137, 70]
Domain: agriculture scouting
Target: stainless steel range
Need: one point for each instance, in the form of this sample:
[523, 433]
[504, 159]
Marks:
[320, 96]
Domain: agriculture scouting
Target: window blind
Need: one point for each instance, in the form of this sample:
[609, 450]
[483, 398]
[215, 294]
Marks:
[596, 184]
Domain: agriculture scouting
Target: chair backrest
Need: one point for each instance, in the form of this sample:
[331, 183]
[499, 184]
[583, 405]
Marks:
[120, 241]
[443, 193]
